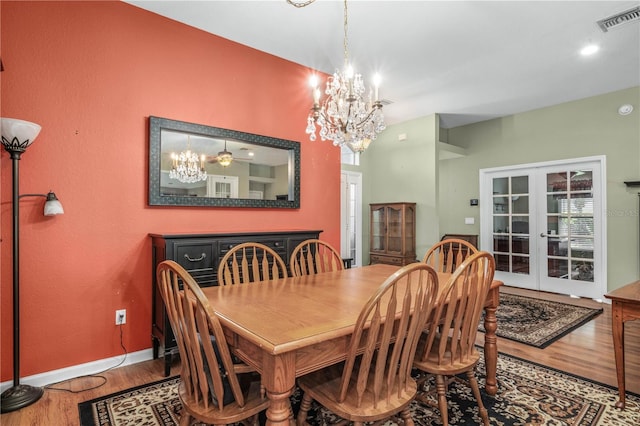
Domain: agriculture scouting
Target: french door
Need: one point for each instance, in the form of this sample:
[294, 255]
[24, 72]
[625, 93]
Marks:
[351, 216]
[545, 226]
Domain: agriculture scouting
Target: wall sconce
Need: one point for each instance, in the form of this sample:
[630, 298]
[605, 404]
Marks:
[17, 135]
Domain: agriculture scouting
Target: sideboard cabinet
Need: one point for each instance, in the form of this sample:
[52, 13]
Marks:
[393, 233]
[200, 255]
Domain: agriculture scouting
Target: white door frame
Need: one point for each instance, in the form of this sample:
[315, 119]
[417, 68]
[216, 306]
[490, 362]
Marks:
[346, 178]
[486, 211]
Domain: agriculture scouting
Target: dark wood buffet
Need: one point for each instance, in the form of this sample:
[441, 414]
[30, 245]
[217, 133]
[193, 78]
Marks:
[200, 255]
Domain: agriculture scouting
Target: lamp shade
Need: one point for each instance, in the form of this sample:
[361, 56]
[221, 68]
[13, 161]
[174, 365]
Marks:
[17, 134]
[52, 206]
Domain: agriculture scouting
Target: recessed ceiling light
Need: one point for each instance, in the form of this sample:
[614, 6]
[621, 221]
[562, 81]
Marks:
[625, 109]
[589, 49]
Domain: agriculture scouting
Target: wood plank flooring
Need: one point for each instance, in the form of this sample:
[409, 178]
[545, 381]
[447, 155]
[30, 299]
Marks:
[587, 352]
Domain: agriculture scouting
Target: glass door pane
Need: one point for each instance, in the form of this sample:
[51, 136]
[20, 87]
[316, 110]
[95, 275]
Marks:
[377, 229]
[570, 225]
[511, 238]
[409, 237]
[395, 229]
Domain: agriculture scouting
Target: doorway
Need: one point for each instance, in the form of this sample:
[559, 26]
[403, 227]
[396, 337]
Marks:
[545, 226]
[351, 216]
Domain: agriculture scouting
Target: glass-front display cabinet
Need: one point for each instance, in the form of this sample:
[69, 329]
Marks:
[393, 233]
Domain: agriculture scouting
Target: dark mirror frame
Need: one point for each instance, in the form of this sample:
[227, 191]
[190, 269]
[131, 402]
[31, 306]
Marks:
[157, 124]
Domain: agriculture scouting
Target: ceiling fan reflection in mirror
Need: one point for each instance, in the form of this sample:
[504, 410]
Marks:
[225, 158]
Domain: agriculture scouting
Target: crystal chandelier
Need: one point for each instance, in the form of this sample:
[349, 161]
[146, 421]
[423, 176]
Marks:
[187, 167]
[348, 115]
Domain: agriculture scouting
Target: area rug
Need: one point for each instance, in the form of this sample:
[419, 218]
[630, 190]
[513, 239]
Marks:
[529, 394]
[538, 322]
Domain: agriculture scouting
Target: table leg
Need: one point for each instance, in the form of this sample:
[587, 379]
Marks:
[491, 342]
[617, 326]
[279, 379]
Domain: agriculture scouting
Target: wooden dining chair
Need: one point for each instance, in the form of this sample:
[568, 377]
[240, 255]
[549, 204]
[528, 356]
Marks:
[448, 254]
[313, 257]
[448, 348]
[250, 262]
[213, 389]
[375, 383]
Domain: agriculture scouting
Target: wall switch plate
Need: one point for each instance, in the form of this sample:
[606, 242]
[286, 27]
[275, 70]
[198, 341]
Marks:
[469, 220]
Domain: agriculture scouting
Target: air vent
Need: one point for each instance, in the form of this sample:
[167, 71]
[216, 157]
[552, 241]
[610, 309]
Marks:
[620, 19]
[385, 102]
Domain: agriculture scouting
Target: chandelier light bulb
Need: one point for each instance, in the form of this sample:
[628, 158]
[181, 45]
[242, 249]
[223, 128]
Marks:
[376, 84]
[313, 81]
[349, 72]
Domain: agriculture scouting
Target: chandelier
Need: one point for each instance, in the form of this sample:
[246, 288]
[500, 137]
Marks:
[187, 166]
[348, 115]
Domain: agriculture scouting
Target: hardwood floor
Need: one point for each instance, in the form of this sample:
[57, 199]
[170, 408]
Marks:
[587, 352]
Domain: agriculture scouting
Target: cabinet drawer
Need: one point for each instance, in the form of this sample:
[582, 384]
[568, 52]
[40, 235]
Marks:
[277, 244]
[389, 260]
[196, 257]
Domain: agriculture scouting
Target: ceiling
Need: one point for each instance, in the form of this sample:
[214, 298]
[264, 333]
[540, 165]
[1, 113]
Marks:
[469, 61]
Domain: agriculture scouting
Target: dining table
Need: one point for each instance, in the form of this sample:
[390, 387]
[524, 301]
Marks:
[289, 327]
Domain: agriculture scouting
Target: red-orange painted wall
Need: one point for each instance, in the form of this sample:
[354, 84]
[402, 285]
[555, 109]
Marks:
[90, 73]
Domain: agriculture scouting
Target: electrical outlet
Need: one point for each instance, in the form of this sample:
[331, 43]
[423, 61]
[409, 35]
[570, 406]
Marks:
[121, 316]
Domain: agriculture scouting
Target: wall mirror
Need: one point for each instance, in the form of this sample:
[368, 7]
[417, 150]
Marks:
[197, 165]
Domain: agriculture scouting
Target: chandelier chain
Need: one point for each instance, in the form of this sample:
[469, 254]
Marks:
[345, 42]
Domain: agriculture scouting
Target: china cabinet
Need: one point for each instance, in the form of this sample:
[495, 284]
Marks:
[393, 233]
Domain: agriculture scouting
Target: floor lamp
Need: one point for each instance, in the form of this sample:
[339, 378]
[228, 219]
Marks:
[17, 135]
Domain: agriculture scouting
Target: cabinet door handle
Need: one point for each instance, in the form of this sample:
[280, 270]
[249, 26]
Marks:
[202, 256]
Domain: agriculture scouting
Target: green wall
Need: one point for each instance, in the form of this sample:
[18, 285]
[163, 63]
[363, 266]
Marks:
[409, 170]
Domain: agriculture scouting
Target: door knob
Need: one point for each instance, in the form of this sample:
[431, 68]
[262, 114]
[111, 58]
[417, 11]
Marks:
[542, 234]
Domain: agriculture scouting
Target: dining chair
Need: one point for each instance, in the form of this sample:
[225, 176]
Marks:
[313, 257]
[213, 389]
[448, 347]
[448, 254]
[374, 382]
[250, 262]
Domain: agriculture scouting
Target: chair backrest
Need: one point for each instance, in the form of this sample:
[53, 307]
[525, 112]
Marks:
[250, 262]
[448, 254]
[381, 349]
[451, 339]
[313, 257]
[207, 373]
[470, 238]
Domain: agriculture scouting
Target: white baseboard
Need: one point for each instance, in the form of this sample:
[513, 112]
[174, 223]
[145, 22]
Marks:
[93, 367]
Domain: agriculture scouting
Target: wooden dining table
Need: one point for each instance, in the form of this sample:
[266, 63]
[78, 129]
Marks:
[292, 326]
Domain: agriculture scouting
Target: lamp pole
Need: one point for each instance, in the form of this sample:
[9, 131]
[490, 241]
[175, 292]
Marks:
[18, 395]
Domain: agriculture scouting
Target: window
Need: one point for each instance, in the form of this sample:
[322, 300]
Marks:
[349, 157]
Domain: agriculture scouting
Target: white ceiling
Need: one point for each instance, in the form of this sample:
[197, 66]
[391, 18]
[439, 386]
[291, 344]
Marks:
[469, 61]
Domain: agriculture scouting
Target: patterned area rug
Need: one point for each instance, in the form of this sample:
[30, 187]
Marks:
[538, 322]
[529, 394]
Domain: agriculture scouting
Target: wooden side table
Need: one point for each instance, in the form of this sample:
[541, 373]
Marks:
[625, 306]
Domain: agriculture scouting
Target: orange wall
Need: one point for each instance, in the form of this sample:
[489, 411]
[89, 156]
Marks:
[91, 73]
